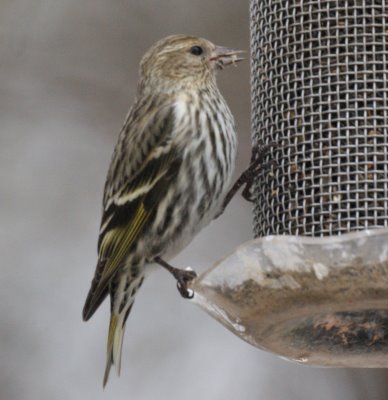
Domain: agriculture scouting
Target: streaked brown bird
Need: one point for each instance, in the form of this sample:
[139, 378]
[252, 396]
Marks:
[169, 174]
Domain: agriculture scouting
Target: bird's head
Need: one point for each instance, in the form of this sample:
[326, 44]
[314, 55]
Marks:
[177, 62]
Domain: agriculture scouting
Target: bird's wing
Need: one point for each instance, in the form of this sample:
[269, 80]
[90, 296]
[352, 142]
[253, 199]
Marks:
[131, 203]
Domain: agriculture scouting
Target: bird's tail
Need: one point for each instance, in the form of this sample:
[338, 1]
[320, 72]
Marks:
[115, 344]
[122, 302]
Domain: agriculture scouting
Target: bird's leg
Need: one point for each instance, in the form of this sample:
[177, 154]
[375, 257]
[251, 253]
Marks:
[259, 151]
[182, 276]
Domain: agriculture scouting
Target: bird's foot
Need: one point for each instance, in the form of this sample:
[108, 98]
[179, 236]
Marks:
[183, 279]
[259, 151]
[182, 276]
[247, 178]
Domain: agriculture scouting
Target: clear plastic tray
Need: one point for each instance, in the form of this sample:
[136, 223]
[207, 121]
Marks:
[319, 301]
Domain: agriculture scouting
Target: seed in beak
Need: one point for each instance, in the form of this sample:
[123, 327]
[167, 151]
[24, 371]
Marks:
[224, 56]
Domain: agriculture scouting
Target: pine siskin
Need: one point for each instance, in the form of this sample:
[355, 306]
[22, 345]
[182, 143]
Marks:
[169, 174]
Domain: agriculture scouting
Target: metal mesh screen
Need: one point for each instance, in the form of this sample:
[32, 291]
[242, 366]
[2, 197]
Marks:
[320, 92]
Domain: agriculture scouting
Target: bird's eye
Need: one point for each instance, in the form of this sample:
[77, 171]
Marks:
[196, 50]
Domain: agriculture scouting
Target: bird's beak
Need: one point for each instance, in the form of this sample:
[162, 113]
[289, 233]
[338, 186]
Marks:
[223, 56]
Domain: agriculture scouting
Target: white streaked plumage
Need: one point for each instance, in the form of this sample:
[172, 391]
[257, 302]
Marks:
[169, 173]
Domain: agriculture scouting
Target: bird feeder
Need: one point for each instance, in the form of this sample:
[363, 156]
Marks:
[313, 286]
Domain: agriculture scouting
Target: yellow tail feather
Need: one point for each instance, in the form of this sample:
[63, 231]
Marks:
[115, 343]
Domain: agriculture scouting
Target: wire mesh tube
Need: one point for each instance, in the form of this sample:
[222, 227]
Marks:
[320, 93]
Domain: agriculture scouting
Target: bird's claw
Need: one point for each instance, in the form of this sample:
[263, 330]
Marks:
[259, 151]
[183, 278]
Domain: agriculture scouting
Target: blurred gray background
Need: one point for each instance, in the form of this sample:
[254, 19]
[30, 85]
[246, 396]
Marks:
[68, 71]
